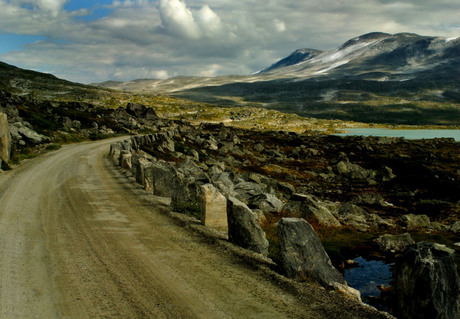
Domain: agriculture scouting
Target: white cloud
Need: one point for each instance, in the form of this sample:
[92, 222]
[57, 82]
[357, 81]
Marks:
[53, 6]
[280, 26]
[209, 22]
[178, 19]
[163, 38]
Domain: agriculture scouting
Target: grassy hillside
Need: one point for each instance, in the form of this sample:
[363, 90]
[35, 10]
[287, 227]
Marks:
[433, 101]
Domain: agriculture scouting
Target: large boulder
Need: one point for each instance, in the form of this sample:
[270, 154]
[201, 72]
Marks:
[30, 135]
[310, 208]
[142, 168]
[162, 175]
[303, 255]
[426, 283]
[115, 150]
[394, 243]
[243, 227]
[186, 193]
[5, 139]
[125, 160]
[213, 208]
[141, 111]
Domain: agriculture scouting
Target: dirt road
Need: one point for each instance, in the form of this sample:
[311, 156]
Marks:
[77, 242]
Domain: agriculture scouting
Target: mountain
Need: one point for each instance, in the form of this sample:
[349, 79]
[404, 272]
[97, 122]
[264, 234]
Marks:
[376, 56]
[377, 77]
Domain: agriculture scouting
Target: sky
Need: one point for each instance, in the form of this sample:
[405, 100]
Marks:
[94, 41]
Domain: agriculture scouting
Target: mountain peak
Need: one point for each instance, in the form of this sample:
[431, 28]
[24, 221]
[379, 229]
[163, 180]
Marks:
[365, 38]
[295, 57]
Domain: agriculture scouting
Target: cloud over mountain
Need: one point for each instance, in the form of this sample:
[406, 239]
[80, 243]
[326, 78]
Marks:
[123, 39]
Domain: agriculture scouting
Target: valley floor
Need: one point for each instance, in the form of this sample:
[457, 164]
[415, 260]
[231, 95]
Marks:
[78, 241]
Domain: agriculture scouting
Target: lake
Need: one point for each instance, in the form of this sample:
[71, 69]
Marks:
[408, 134]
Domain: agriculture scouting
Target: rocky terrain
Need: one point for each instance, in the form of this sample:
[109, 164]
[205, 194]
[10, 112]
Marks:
[364, 196]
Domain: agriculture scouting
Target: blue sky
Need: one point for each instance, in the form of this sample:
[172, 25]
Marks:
[98, 9]
[92, 41]
[81, 4]
[11, 41]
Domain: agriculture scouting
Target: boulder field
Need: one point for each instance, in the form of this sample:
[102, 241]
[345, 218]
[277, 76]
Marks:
[299, 184]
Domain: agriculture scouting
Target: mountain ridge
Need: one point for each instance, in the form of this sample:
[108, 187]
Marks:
[391, 56]
[377, 77]
[399, 53]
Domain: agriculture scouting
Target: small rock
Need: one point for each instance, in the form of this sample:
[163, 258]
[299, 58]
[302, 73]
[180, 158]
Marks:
[310, 208]
[411, 221]
[347, 291]
[394, 243]
[258, 147]
[455, 228]
[267, 203]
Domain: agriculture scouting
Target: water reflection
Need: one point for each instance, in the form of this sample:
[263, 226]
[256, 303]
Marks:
[368, 275]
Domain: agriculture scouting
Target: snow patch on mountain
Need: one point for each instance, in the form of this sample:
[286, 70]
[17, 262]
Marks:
[451, 39]
[339, 54]
[333, 66]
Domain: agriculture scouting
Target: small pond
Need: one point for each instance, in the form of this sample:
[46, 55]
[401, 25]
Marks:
[367, 276]
[408, 134]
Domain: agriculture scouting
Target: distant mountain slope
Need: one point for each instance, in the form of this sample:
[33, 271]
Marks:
[42, 85]
[377, 77]
[374, 56]
[398, 56]
[300, 55]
